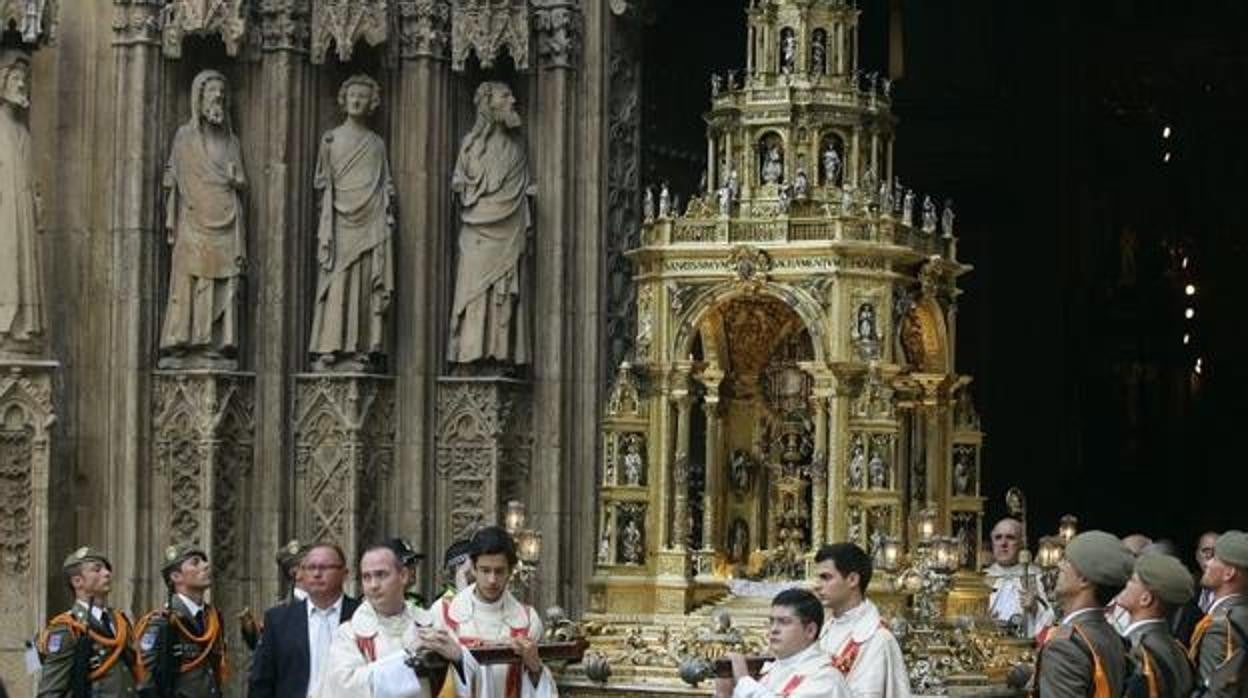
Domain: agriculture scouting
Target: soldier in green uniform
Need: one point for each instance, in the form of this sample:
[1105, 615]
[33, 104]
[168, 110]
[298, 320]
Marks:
[182, 646]
[86, 650]
[289, 558]
[1220, 641]
[1084, 657]
[1161, 669]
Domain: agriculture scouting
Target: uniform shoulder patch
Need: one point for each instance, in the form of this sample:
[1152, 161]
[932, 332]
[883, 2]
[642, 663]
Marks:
[148, 641]
[56, 640]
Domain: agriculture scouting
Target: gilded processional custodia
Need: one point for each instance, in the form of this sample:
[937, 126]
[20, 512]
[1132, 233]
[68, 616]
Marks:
[794, 380]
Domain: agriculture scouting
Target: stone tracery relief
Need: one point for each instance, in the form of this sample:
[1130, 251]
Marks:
[424, 28]
[225, 18]
[344, 455]
[623, 194]
[344, 22]
[487, 28]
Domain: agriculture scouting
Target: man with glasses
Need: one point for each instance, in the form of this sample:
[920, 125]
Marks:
[293, 651]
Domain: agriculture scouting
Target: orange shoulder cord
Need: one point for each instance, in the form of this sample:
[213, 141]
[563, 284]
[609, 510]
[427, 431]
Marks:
[1150, 674]
[1100, 682]
[1198, 634]
[115, 645]
[209, 641]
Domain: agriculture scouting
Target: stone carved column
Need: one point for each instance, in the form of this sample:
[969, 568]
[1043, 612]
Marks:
[282, 176]
[133, 305]
[562, 413]
[819, 475]
[344, 428]
[421, 155]
[203, 430]
[484, 453]
[714, 472]
[28, 542]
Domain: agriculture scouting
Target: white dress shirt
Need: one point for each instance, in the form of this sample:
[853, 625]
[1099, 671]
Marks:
[322, 623]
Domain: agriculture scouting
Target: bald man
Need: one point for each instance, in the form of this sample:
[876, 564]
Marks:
[1018, 597]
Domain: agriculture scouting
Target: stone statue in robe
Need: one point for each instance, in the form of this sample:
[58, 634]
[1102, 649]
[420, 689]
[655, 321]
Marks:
[204, 212]
[21, 279]
[354, 240]
[490, 311]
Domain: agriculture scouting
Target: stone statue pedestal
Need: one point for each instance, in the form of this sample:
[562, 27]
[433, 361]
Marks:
[28, 558]
[344, 429]
[204, 426]
[484, 452]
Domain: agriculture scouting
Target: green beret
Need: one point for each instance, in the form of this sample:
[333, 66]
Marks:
[175, 555]
[1165, 576]
[83, 554]
[1100, 558]
[1232, 548]
[290, 554]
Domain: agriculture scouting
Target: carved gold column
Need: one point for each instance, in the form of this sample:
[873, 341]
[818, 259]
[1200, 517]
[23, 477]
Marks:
[714, 472]
[683, 401]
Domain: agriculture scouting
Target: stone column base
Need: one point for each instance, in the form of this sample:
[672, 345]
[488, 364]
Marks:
[344, 429]
[484, 452]
[29, 563]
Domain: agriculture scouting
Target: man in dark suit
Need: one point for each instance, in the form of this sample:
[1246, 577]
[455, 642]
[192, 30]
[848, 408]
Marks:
[294, 647]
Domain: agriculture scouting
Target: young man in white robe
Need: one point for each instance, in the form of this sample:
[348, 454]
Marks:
[485, 613]
[369, 653]
[861, 645]
[801, 668]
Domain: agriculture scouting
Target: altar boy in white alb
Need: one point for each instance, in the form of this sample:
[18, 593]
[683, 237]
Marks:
[801, 668]
[860, 644]
[369, 653]
[485, 613]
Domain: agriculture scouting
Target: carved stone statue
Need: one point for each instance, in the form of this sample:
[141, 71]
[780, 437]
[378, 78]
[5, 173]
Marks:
[647, 205]
[929, 215]
[818, 52]
[886, 198]
[604, 549]
[773, 165]
[869, 181]
[961, 475]
[741, 471]
[866, 321]
[717, 84]
[946, 219]
[631, 544]
[665, 202]
[801, 183]
[788, 51]
[857, 468]
[907, 208]
[21, 279]
[877, 471]
[490, 313]
[354, 251]
[734, 185]
[204, 213]
[831, 165]
[633, 463]
[725, 201]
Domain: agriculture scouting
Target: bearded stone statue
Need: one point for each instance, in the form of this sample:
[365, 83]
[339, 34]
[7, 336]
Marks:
[21, 287]
[204, 221]
[490, 312]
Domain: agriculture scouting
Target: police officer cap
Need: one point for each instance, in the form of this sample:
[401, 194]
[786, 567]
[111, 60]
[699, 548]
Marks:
[175, 555]
[1165, 576]
[290, 554]
[1100, 558]
[84, 554]
[404, 552]
[459, 551]
[1232, 548]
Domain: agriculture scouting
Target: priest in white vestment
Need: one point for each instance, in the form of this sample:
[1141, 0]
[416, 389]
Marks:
[801, 668]
[1018, 596]
[855, 635]
[368, 657]
[486, 613]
